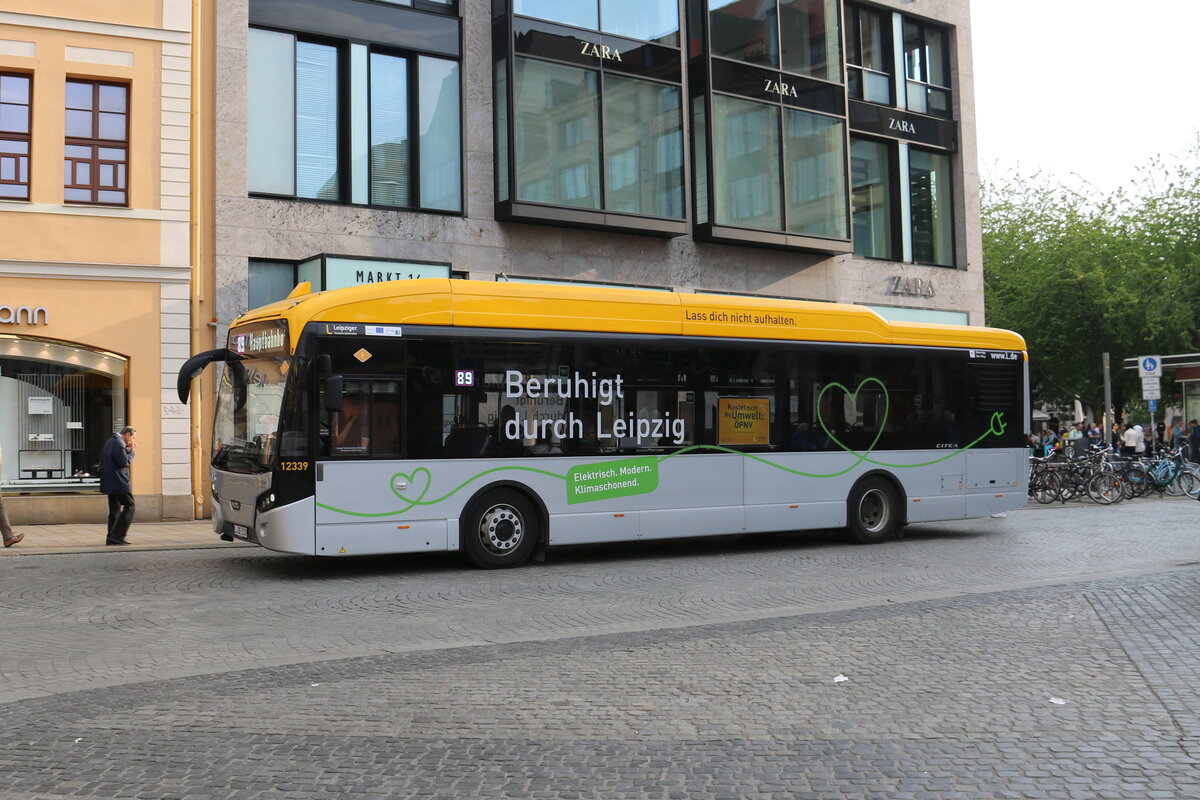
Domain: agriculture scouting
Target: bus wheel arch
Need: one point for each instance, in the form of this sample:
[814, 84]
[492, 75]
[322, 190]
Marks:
[503, 525]
[875, 508]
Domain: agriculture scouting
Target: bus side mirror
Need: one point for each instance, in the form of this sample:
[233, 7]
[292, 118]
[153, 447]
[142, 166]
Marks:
[333, 393]
[196, 364]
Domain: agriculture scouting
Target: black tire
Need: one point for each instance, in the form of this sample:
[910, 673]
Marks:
[873, 512]
[1045, 487]
[1106, 488]
[500, 530]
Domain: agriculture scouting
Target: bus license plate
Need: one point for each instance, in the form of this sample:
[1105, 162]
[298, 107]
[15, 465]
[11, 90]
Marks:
[240, 531]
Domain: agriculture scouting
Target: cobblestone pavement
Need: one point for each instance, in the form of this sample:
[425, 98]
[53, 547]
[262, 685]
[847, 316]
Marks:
[1054, 653]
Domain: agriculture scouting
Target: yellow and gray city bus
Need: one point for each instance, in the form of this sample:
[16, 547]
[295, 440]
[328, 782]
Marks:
[501, 418]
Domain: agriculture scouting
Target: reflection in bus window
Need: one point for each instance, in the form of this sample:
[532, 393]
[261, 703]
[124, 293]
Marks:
[369, 422]
[350, 427]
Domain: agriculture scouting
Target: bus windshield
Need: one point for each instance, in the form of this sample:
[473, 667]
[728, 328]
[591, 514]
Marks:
[249, 398]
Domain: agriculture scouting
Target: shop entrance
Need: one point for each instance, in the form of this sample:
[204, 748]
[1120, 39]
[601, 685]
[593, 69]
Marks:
[59, 402]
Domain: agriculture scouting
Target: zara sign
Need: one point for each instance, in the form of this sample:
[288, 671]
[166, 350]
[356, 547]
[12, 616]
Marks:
[24, 315]
[913, 287]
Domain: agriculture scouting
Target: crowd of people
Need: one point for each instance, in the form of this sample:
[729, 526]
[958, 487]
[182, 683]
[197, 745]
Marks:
[1126, 438]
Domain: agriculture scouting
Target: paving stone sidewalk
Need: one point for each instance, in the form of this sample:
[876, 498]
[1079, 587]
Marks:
[87, 537]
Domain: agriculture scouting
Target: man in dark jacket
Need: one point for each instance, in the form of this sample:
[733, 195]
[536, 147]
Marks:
[115, 459]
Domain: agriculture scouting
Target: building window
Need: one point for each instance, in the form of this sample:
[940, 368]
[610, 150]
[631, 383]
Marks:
[927, 68]
[353, 123]
[648, 20]
[270, 281]
[273, 280]
[14, 136]
[589, 126]
[557, 111]
[565, 120]
[872, 180]
[97, 143]
[932, 202]
[442, 6]
[798, 36]
[755, 145]
[919, 230]
[902, 195]
[869, 60]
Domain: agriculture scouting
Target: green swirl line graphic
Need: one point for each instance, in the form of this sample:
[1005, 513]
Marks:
[996, 427]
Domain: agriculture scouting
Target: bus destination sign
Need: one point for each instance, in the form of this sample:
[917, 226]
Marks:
[271, 340]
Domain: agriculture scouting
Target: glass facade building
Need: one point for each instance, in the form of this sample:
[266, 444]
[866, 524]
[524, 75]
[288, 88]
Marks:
[821, 149]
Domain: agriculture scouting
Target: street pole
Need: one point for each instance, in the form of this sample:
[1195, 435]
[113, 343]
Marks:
[1109, 417]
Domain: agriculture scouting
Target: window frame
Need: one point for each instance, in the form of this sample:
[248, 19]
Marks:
[347, 113]
[644, 65]
[782, 169]
[904, 239]
[854, 50]
[910, 223]
[893, 189]
[96, 143]
[925, 82]
[26, 138]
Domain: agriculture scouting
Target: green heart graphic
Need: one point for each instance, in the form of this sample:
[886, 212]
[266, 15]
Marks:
[419, 481]
[854, 398]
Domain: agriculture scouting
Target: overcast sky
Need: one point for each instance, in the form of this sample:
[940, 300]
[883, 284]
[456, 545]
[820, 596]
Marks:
[1087, 88]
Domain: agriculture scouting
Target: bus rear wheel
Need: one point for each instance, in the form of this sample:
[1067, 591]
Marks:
[873, 512]
[500, 530]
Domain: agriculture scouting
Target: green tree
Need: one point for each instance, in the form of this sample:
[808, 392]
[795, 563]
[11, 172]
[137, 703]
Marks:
[1079, 274]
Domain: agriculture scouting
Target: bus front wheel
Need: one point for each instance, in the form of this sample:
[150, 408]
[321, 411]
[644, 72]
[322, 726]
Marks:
[873, 511]
[500, 530]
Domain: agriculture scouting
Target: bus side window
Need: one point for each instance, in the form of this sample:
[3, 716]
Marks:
[385, 418]
[369, 422]
[350, 428]
[293, 437]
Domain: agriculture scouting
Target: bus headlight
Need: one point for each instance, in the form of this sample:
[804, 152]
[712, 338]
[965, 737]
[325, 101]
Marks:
[266, 501]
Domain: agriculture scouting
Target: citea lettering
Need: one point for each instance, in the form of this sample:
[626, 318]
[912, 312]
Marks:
[601, 51]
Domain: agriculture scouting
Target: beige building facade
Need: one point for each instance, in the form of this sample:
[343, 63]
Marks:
[95, 252]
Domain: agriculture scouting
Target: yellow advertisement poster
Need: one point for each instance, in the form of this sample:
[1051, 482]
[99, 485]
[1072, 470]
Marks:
[744, 420]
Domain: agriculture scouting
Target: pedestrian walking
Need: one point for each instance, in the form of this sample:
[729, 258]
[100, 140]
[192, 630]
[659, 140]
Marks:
[1194, 437]
[1177, 434]
[10, 537]
[1139, 445]
[1130, 436]
[115, 459]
